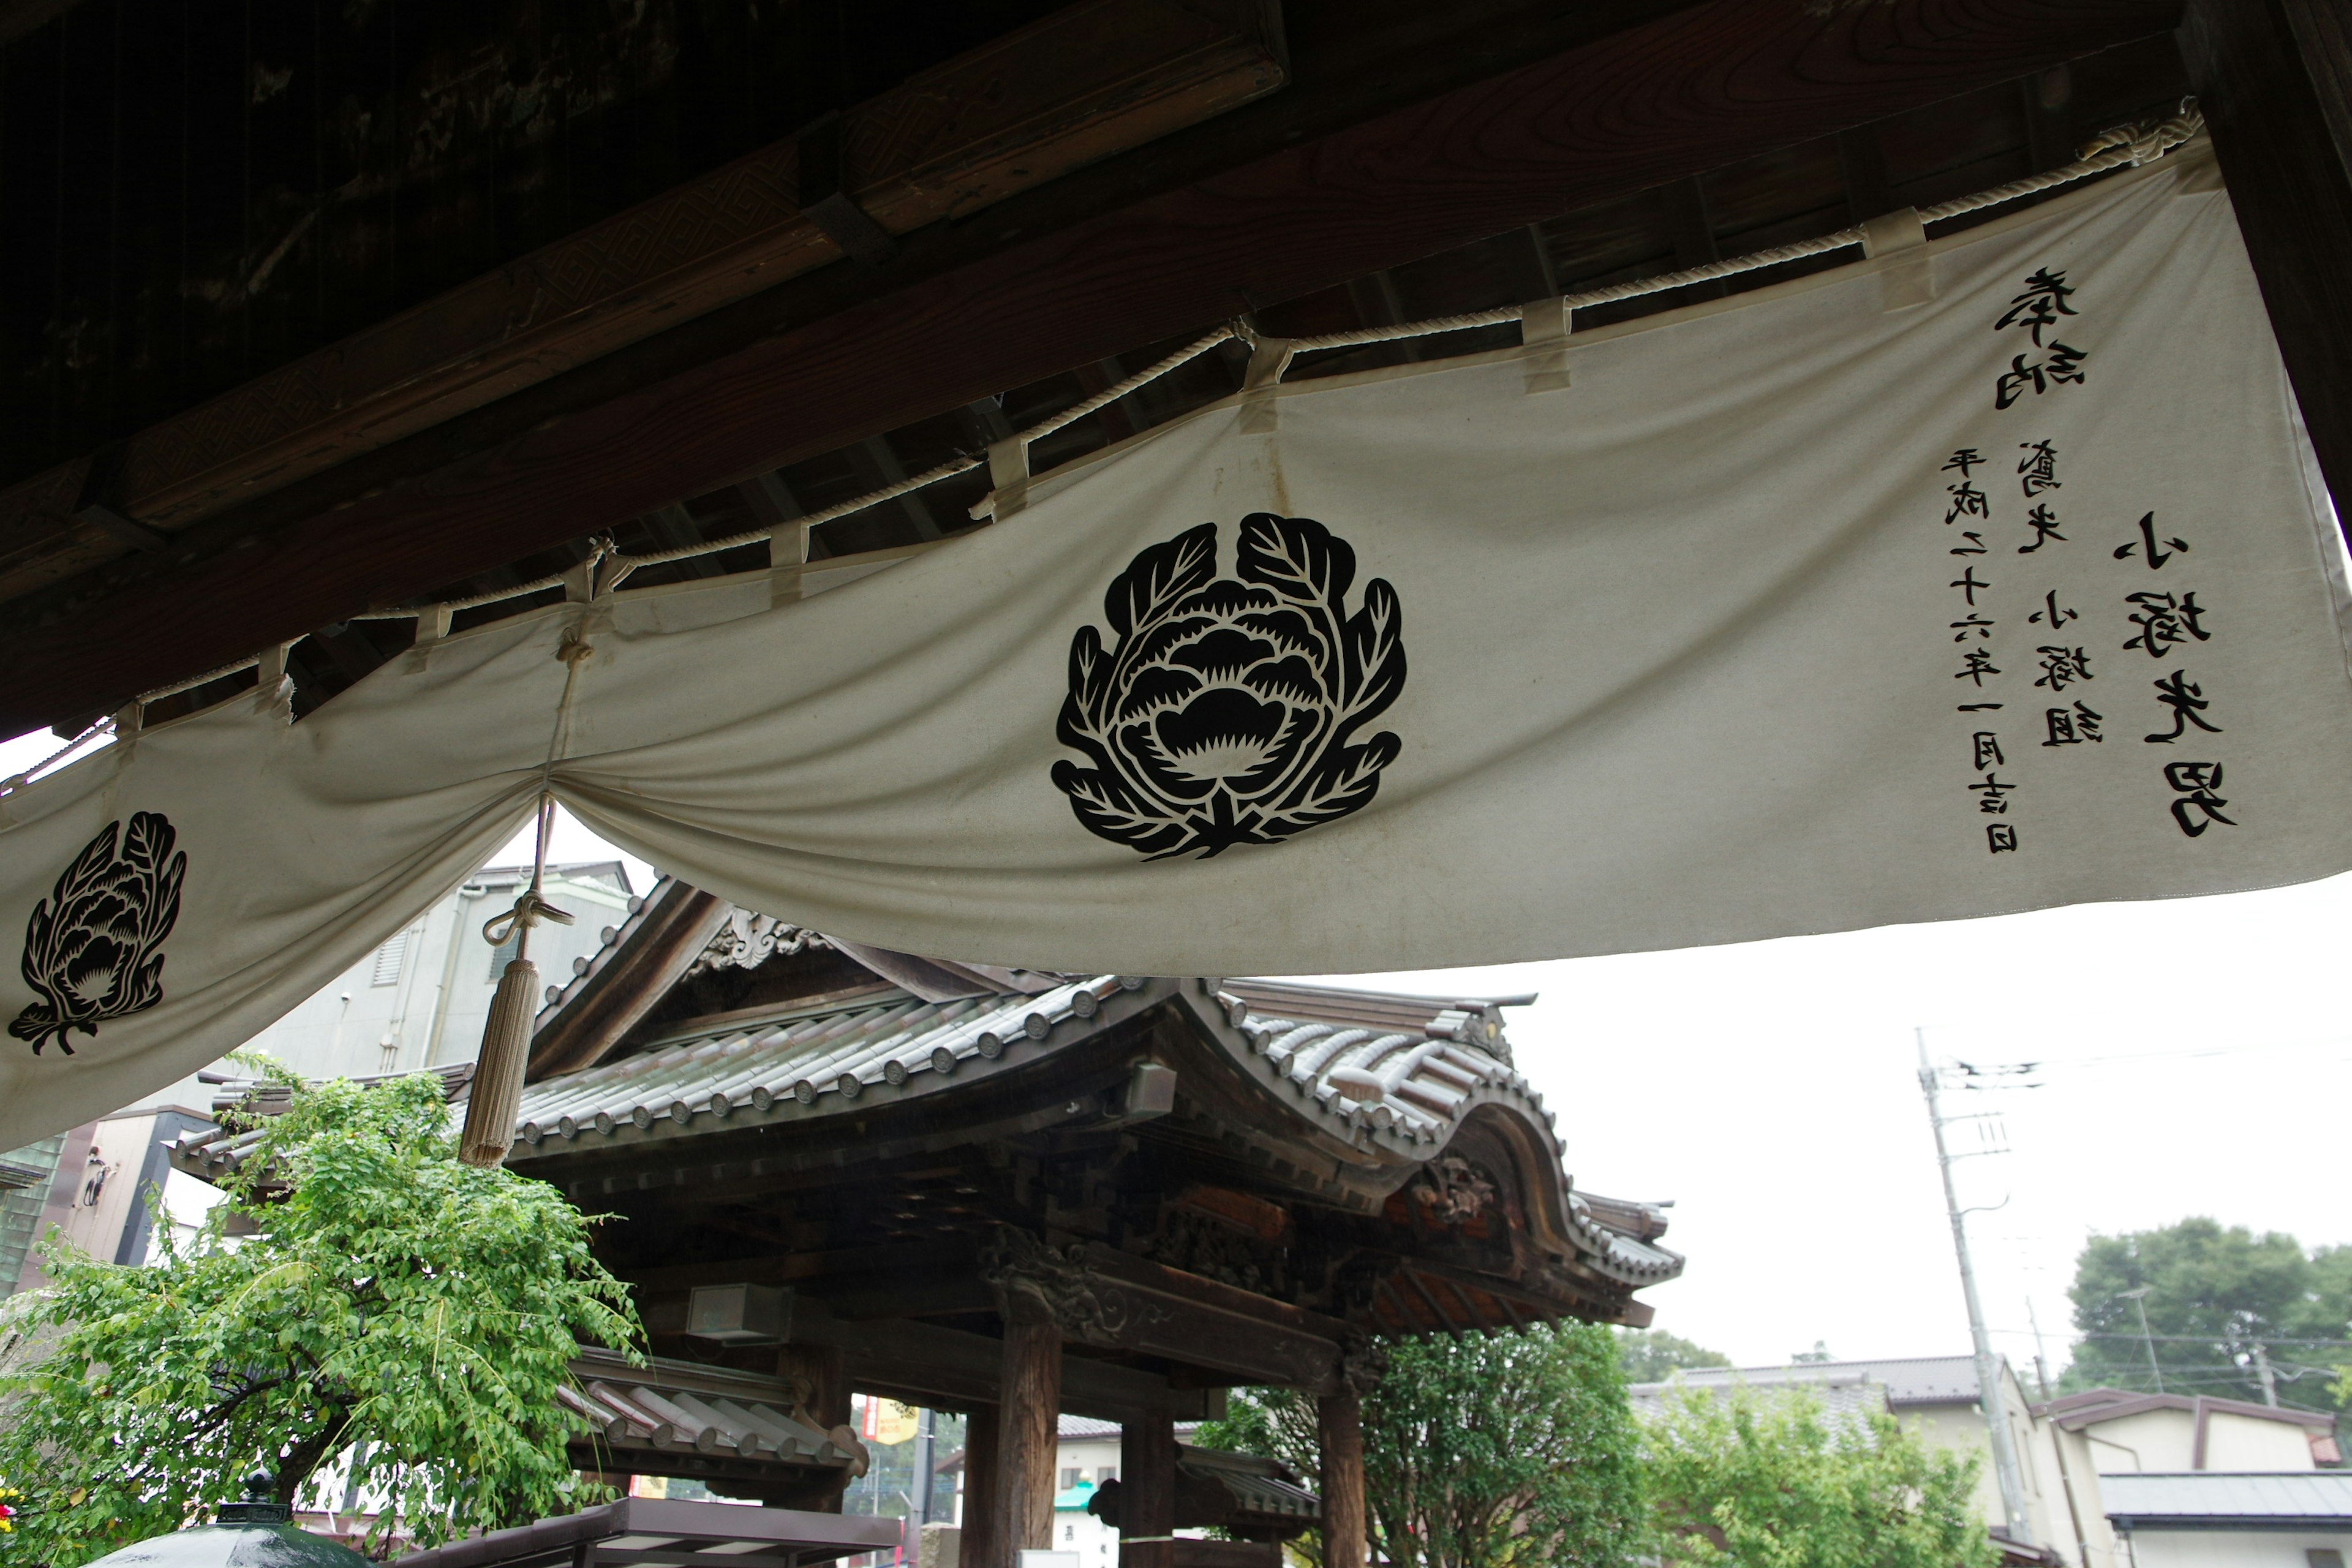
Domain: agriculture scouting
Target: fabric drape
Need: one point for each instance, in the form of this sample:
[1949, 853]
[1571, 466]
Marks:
[1802, 611]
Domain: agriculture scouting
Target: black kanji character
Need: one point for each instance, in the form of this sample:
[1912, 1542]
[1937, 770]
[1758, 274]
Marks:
[1967, 585]
[1976, 663]
[2196, 783]
[2188, 701]
[1968, 502]
[2065, 364]
[1984, 747]
[2165, 622]
[1992, 795]
[2072, 729]
[2060, 667]
[2051, 613]
[2156, 557]
[1965, 459]
[2044, 301]
[2037, 469]
[2001, 837]
[2044, 524]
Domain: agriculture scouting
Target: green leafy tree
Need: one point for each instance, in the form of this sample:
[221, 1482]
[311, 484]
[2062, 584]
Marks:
[1752, 1479]
[1652, 1355]
[387, 1297]
[2213, 1294]
[1502, 1451]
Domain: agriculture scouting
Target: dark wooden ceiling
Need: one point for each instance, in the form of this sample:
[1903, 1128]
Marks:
[196, 194]
[1586, 167]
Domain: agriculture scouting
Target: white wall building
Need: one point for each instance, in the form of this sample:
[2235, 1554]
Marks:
[2067, 1448]
[419, 1000]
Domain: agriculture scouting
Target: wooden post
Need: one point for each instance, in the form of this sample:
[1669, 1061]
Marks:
[979, 1472]
[1147, 1490]
[2275, 80]
[1341, 1418]
[1028, 1427]
[822, 1367]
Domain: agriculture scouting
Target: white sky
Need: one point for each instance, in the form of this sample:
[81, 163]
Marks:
[2196, 1062]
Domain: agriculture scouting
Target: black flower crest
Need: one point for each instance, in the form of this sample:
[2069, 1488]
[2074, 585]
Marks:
[1227, 712]
[93, 948]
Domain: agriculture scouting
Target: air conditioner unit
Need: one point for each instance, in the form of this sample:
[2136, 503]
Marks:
[740, 1314]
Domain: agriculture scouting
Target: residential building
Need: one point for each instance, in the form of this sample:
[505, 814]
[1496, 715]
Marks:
[419, 1000]
[2217, 1520]
[2069, 1449]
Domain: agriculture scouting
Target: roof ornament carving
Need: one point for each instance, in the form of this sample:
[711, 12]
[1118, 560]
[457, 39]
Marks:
[747, 940]
[1037, 1282]
[1452, 1191]
[1363, 1362]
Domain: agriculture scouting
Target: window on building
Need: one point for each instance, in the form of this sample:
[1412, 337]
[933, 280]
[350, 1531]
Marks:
[388, 960]
[505, 953]
[1106, 1474]
[1071, 1476]
[2323, 1557]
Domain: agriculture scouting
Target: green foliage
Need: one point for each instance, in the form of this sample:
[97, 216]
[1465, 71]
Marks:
[1757, 1480]
[2213, 1293]
[1652, 1355]
[390, 1297]
[1507, 1451]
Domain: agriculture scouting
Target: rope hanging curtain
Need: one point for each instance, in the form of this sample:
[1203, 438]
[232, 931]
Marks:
[2121, 147]
[1988, 574]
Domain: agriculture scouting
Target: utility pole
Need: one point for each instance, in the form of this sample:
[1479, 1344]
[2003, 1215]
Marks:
[925, 1473]
[2263, 1370]
[2139, 1298]
[1990, 1396]
[2058, 1442]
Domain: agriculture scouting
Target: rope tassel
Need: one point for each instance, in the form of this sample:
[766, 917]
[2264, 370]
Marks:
[495, 1099]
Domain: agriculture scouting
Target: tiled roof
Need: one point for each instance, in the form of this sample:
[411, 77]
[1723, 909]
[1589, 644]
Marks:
[2089, 1408]
[1907, 1380]
[677, 1407]
[772, 1070]
[2312, 1500]
[1846, 1395]
[1401, 1086]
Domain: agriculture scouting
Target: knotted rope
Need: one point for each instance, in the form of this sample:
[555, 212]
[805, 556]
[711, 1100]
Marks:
[495, 1099]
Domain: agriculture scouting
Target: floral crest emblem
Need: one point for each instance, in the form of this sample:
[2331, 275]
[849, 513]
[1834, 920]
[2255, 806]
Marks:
[93, 949]
[1228, 712]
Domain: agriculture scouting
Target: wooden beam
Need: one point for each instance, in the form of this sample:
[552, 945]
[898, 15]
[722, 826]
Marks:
[1090, 80]
[673, 934]
[1147, 1490]
[1339, 1421]
[2274, 78]
[1703, 87]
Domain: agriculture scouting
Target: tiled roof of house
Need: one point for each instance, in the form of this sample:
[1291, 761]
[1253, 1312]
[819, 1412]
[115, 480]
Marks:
[2212, 1499]
[1897, 1382]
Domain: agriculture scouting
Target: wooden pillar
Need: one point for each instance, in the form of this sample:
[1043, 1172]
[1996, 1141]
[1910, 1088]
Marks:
[2275, 80]
[1341, 1419]
[979, 1472]
[1147, 1490]
[823, 1368]
[1028, 1427]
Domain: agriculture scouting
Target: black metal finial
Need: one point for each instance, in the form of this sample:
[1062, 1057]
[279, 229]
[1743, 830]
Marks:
[260, 1505]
